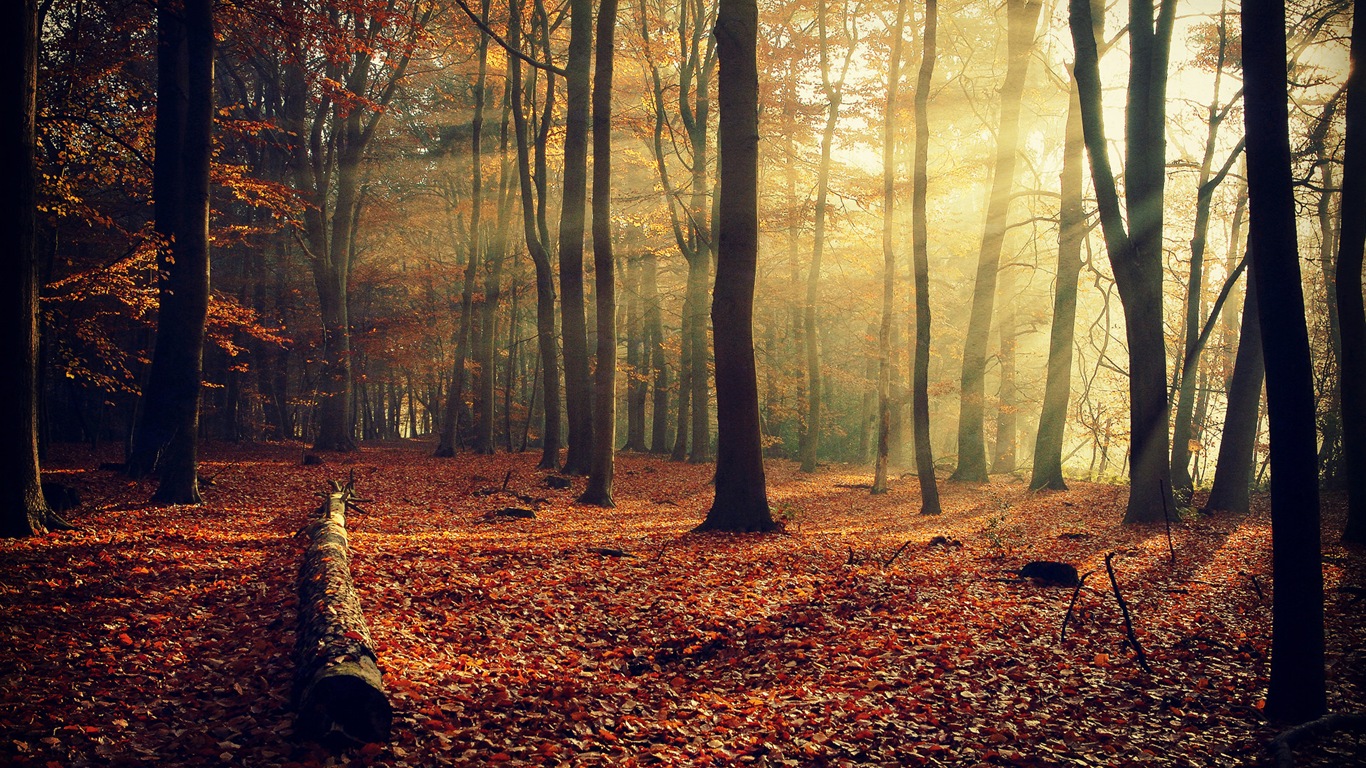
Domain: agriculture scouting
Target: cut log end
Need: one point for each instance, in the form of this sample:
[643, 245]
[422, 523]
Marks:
[346, 702]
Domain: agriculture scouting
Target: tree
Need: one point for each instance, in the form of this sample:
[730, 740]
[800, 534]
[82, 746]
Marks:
[573, 325]
[1135, 252]
[884, 337]
[23, 512]
[741, 502]
[1233, 472]
[599, 490]
[537, 232]
[972, 455]
[920, 377]
[166, 439]
[1352, 316]
[1047, 470]
[1297, 687]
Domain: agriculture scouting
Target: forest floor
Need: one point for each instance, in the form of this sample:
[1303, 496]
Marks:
[163, 635]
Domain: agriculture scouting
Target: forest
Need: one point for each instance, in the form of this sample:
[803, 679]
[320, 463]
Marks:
[709, 382]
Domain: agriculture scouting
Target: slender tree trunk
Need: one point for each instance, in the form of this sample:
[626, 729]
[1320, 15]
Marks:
[573, 325]
[741, 502]
[1237, 445]
[654, 334]
[1352, 316]
[1297, 688]
[637, 358]
[534, 230]
[884, 336]
[1007, 443]
[685, 374]
[920, 398]
[23, 512]
[599, 490]
[972, 455]
[1047, 471]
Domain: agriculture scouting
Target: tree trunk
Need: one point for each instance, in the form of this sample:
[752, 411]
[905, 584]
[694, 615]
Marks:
[1136, 258]
[493, 263]
[1233, 471]
[1047, 470]
[168, 436]
[920, 377]
[741, 502]
[637, 358]
[337, 684]
[654, 334]
[23, 512]
[535, 231]
[599, 490]
[573, 325]
[1007, 421]
[972, 455]
[1297, 688]
[884, 336]
[1352, 316]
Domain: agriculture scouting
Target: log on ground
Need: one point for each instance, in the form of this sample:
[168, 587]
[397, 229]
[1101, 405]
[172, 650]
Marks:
[338, 693]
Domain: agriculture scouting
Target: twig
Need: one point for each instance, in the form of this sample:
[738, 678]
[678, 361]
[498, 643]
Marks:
[506, 479]
[1075, 593]
[896, 554]
[1161, 487]
[1256, 585]
[353, 505]
[1124, 609]
[852, 560]
[660, 556]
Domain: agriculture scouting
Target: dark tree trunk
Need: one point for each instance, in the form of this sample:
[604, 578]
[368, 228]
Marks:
[1047, 471]
[599, 490]
[1233, 472]
[22, 509]
[741, 502]
[1352, 316]
[884, 336]
[1135, 253]
[637, 357]
[573, 325]
[536, 234]
[167, 438]
[972, 454]
[1297, 689]
[920, 377]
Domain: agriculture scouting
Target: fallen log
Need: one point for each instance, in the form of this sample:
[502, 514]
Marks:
[337, 689]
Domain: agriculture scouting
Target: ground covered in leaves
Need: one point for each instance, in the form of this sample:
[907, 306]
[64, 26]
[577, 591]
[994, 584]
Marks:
[163, 635]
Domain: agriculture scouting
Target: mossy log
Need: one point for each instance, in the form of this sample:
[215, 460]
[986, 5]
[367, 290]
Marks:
[338, 692]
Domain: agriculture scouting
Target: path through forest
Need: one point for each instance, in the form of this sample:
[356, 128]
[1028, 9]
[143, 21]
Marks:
[163, 635]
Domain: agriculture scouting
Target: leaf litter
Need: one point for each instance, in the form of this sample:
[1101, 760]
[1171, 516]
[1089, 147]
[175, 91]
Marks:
[583, 636]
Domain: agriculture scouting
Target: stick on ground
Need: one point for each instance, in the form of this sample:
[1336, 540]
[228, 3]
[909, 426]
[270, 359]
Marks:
[1124, 609]
[1075, 592]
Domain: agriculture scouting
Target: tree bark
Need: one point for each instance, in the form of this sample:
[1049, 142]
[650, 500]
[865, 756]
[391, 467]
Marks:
[654, 334]
[884, 336]
[1351, 314]
[599, 490]
[920, 377]
[1047, 470]
[573, 324]
[972, 455]
[741, 502]
[1297, 688]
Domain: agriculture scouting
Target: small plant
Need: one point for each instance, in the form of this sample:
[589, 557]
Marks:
[1000, 535]
[789, 514]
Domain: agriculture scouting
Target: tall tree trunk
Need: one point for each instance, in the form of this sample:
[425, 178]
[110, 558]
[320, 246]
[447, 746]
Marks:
[884, 336]
[599, 490]
[1297, 688]
[1023, 18]
[573, 325]
[920, 377]
[23, 512]
[1352, 316]
[536, 234]
[1135, 253]
[1233, 471]
[485, 416]
[1047, 470]
[741, 502]
[1007, 421]
[685, 374]
[168, 436]
[637, 357]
